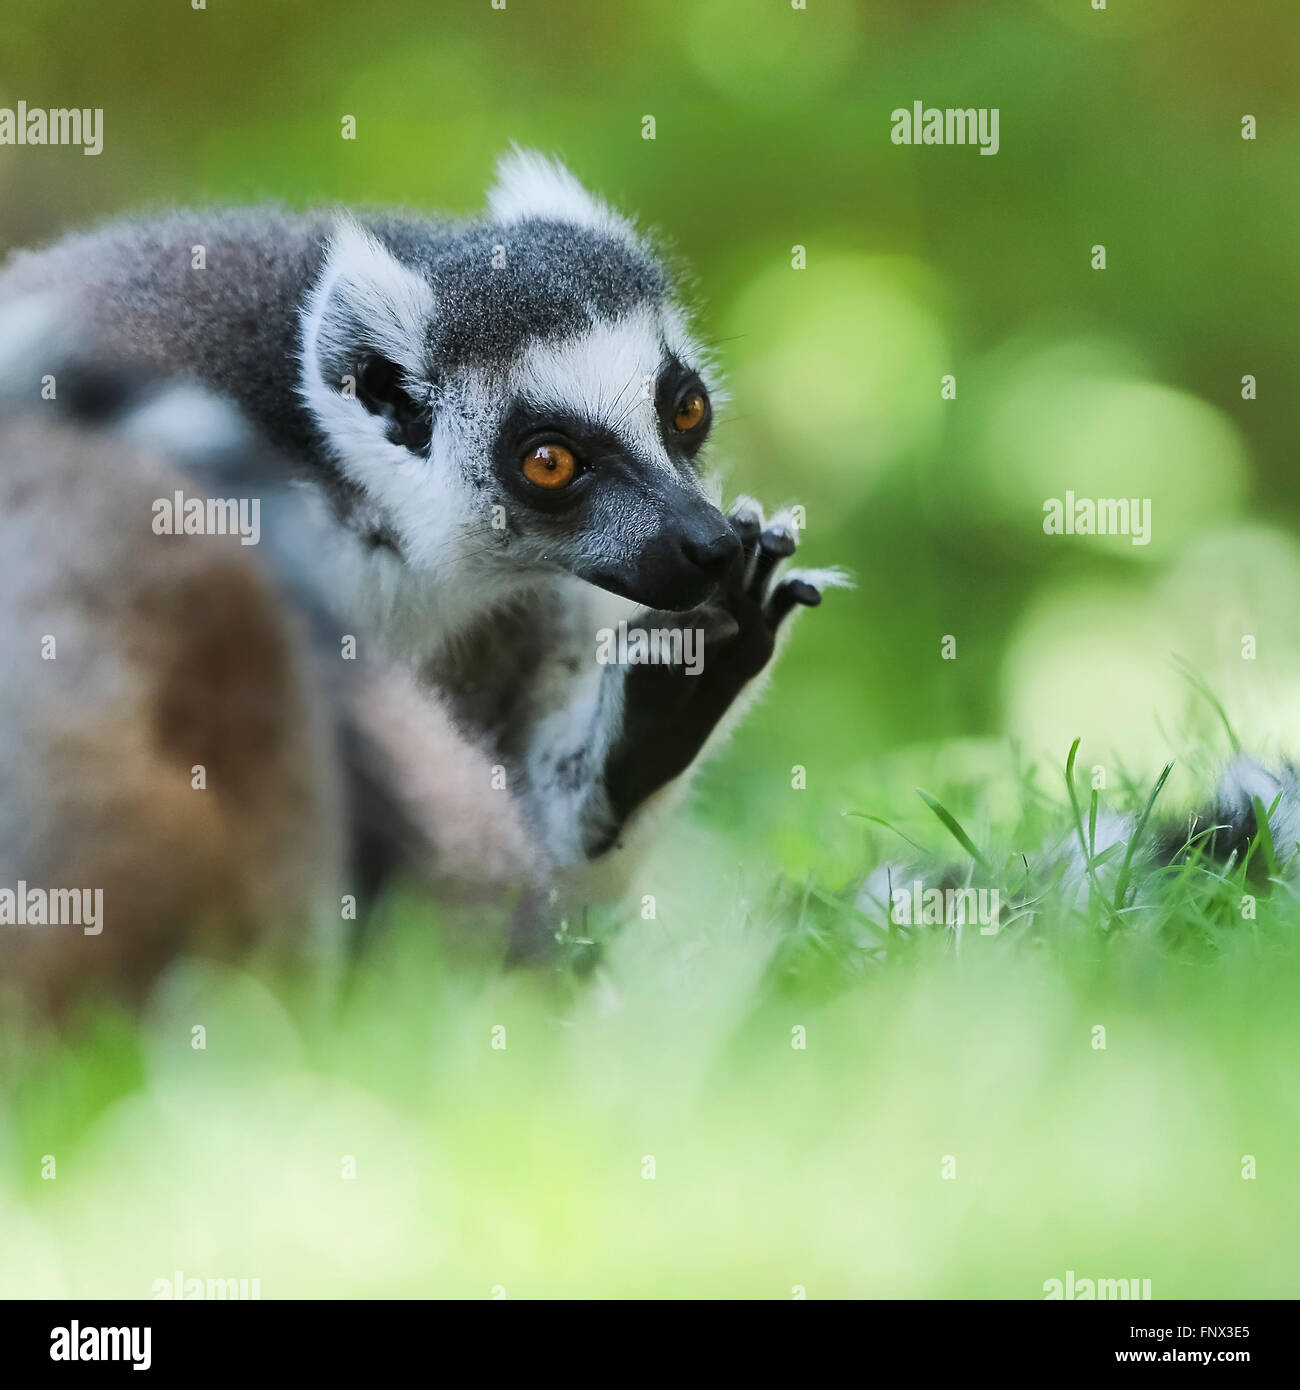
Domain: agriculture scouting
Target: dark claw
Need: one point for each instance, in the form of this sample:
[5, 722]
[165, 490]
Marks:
[748, 527]
[786, 596]
[775, 545]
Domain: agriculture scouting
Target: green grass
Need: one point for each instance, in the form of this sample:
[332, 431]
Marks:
[775, 1166]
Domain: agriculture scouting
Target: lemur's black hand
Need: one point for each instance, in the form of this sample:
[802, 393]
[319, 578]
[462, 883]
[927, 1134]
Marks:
[670, 713]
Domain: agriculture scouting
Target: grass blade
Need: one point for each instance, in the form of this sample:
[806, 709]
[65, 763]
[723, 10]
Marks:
[878, 820]
[1198, 683]
[1121, 886]
[954, 828]
[1089, 844]
[854, 914]
[1264, 831]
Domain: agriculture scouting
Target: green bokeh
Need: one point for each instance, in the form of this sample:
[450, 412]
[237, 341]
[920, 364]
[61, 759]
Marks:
[1121, 128]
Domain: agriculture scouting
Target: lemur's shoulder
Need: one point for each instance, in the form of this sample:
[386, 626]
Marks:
[153, 254]
[211, 295]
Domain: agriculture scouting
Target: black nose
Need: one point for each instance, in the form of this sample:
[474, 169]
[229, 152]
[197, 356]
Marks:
[713, 556]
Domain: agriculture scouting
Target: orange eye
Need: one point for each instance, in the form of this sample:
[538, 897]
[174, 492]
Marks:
[550, 465]
[691, 411]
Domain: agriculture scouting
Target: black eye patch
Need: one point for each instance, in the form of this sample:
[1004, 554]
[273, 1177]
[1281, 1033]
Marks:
[603, 458]
[677, 382]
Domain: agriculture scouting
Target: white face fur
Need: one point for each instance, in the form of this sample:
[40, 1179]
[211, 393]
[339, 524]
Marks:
[436, 440]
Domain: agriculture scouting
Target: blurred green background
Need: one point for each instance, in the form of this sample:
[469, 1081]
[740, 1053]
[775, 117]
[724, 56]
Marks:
[1120, 127]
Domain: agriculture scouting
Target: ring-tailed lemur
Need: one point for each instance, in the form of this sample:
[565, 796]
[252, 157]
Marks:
[177, 732]
[500, 419]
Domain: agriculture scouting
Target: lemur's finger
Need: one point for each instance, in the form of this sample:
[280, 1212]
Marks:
[777, 543]
[746, 518]
[802, 588]
[787, 596]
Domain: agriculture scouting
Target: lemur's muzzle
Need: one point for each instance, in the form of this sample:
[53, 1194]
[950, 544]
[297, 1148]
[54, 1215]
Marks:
[683, 563]
[714, 556]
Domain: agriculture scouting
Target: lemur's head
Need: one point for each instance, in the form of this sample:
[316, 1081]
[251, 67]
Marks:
[522, 391]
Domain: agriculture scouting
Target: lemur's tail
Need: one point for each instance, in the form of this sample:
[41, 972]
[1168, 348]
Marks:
[1248, 796]
[141, 670]
[1127, 853]
[417, 790]
[44, 370]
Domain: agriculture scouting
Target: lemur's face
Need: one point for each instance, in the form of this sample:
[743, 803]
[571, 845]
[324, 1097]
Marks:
[522, 396]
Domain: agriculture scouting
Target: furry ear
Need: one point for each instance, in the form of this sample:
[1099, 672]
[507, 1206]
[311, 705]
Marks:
[364, 332]
[530, 185]
[367, 303]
